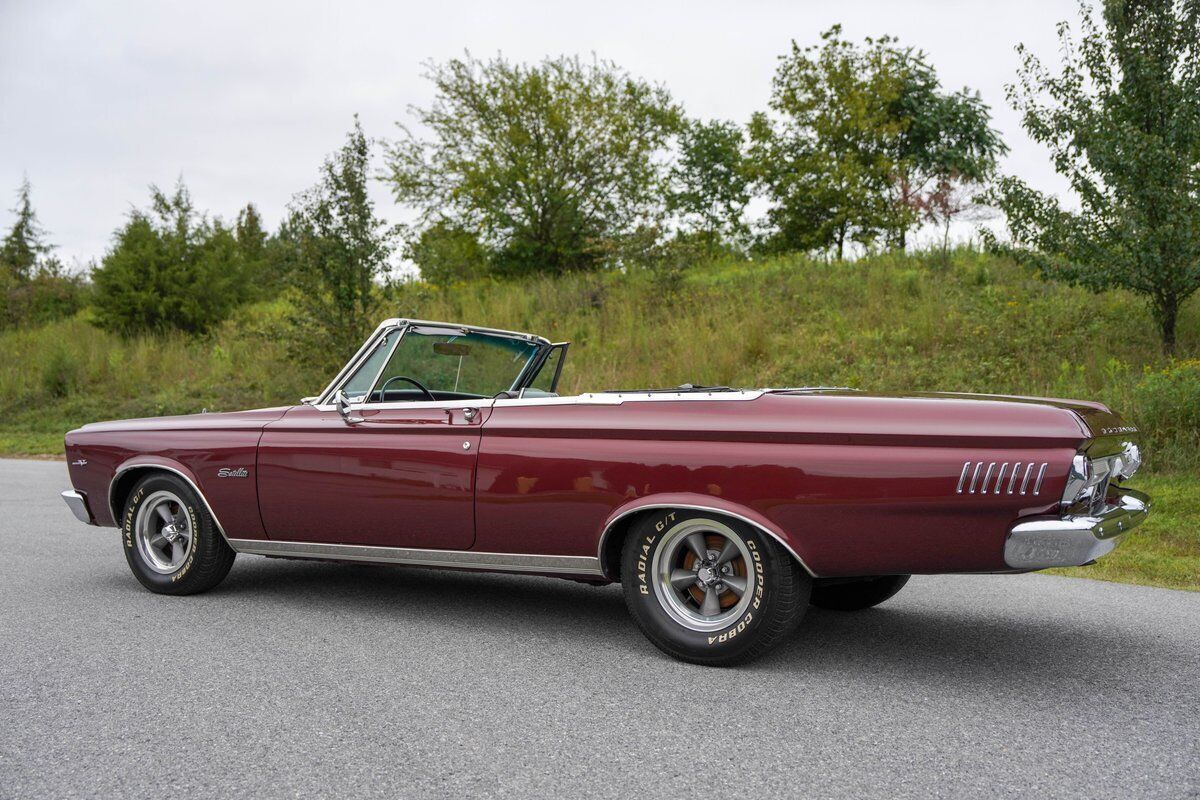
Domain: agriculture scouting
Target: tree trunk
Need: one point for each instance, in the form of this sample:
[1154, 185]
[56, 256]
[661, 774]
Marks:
[902, 239]
[841, 241]
[1167, 312]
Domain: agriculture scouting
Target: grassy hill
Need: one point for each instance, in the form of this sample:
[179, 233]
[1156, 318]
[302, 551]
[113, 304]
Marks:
[889, 323]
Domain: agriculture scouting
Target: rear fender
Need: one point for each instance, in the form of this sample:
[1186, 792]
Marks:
[618, 523]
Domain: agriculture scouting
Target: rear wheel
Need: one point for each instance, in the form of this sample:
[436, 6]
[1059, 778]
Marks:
[856, 594]
[710, 590]
[171, 542]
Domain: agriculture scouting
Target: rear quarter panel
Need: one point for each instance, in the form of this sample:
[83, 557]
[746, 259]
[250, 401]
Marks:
[854, 486]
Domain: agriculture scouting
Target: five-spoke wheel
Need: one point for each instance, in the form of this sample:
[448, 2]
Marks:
[703, 576]
[710, 589]
[172, 543]
[164, 535]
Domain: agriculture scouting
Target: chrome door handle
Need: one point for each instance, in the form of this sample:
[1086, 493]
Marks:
[470, 413]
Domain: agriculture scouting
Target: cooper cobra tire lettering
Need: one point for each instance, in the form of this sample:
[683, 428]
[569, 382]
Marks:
[651, 559]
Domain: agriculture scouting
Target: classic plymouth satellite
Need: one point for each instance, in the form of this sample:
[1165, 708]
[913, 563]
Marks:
[724, 513]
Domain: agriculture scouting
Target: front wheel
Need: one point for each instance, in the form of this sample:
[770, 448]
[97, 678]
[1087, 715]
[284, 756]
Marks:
[710, 590]
[857, 593]
[171, 541]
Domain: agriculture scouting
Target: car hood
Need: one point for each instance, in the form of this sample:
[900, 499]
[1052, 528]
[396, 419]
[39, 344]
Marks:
[226, 420]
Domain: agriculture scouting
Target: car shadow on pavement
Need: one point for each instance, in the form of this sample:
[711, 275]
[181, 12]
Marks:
[971, 647]
[921, 644]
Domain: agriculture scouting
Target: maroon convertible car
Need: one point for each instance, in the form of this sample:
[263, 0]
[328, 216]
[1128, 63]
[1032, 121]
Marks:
[723, 512]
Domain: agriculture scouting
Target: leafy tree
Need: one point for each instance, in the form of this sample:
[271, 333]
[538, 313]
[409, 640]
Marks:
[25, 242]
[945, 145]
[34, 285]
[341, 249]
[249, 232]
[710, 182]
[863, 143]
[544, 164]
[446, 254]
[826, 159]
[1122, 121]
[170, 267]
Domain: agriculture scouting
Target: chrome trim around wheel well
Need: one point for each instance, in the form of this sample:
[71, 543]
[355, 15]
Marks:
[116, 514]
[422, 557]
[691, 507]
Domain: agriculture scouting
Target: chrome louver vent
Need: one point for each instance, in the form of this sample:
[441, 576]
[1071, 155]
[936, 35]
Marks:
[979, 477]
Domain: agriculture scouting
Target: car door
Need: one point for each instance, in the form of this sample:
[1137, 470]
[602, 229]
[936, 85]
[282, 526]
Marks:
[403, 476]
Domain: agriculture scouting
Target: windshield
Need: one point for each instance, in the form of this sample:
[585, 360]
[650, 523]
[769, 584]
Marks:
[434, 364]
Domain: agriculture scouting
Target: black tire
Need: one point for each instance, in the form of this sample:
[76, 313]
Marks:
[203, 558]
[774, 597]
[856, 594]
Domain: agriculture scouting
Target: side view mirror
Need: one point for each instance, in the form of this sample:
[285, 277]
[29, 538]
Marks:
[342, 403]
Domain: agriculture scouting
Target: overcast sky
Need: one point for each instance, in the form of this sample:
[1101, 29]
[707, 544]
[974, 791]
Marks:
[243, 99]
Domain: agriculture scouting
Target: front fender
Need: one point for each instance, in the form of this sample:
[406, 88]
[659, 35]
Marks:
[127, 473]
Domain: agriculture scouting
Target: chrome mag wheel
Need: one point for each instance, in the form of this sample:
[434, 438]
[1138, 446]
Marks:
[163, 531]
[702, 574]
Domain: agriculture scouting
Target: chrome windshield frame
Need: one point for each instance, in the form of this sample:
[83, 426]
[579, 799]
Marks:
[404, 325]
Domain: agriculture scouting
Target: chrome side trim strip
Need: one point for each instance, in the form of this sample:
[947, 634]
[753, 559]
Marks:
[975, 477]
[116, 513]
[963, 477]
[719, 511]
[1025, 481]
[986, 486]
[413, 556]
[1013, 480]
[1037, 487]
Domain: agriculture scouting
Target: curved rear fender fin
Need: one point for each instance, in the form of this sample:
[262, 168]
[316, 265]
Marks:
[131, 471]
[622, 519]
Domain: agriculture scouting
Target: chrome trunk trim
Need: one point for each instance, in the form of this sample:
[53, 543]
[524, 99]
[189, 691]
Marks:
[460, 559]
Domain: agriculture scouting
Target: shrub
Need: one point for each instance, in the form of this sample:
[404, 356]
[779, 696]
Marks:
[60, 374]
[169, 268]
[1168, 409]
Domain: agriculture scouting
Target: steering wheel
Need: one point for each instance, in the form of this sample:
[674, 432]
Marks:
[413, 381]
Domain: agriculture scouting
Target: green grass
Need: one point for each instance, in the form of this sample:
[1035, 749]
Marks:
[887, 323]
[1165, 549]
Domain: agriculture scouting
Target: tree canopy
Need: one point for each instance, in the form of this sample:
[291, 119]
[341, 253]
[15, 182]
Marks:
[24, 244]
[1122, 122]
[544, 164]
[859, 138]
[340, 250]
[170, 268]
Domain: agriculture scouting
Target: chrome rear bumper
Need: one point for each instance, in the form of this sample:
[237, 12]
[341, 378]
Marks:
[77, 502]
[1074, 540]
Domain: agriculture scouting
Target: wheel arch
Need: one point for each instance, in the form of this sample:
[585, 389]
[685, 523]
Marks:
[126, 476]
[622, 520]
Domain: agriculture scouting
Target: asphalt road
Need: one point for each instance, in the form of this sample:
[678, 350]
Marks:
[296, 679]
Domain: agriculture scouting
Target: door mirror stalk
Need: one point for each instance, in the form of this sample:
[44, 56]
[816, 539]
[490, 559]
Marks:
[342, 402]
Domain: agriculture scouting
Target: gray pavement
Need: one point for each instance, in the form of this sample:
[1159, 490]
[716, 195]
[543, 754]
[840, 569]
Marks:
[297, 679]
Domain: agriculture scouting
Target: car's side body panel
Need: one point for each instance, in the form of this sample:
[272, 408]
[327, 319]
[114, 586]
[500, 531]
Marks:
[853, 484]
